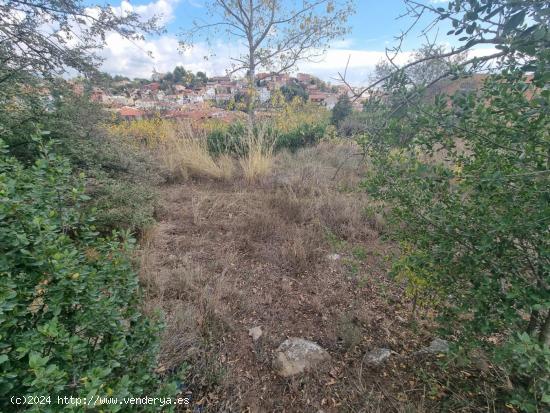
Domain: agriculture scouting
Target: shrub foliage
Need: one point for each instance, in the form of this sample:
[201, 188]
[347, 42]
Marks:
[468, 192]
[69, 319]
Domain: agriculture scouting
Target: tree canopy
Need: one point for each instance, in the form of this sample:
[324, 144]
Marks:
[70, 34]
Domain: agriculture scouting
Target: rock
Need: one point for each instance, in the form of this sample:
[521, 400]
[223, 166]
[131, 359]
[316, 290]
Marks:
[400, 319]
[480, 360]
[255, 333]
[297, 355]
[377, 356]
[437, 346]
[334, 257]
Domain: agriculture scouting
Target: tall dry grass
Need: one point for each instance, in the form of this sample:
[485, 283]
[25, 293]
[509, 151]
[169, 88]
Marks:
[257, 162]
[184, 153]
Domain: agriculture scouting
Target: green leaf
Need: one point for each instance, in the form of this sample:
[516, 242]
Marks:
[36, 361]
[514, 21]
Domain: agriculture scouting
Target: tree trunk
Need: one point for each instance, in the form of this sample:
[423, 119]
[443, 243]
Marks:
[250, 107]
[251, 69]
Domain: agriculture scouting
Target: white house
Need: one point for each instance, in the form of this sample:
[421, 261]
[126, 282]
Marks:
[264, 94]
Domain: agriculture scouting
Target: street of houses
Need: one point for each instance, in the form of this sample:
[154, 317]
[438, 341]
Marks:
[215, 99]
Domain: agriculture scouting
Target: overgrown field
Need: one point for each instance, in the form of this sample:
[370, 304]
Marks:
[287, 240]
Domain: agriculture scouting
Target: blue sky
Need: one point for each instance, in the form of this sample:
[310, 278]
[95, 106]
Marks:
[373, 28]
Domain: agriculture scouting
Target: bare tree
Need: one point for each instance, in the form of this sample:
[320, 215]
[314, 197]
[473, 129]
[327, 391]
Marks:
[276, 34]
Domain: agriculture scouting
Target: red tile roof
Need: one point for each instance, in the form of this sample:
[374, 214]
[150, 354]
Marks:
[130, 112]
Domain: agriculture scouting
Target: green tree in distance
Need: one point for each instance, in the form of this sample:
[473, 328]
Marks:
[341, 110]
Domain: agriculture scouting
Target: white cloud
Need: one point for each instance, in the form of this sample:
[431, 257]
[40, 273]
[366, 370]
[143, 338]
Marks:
[163, 9]
[140, 58]
[361, 64]
[132, 59]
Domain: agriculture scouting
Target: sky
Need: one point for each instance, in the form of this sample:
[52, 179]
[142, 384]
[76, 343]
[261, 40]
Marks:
[373, 28]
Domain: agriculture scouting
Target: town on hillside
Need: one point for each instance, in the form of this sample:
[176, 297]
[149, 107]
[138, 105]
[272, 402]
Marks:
[184, 95]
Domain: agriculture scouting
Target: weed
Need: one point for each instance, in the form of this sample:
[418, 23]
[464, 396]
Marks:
[359, 253]
[335, 242]
[257, 162]
[349, 332]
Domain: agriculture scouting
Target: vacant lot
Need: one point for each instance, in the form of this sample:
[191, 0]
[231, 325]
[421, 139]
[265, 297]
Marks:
[298, 254]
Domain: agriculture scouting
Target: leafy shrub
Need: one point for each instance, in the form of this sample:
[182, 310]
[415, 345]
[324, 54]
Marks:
[528, 363]
[146, 132]
[122, 205]
[304, 135]
[121, 181]
[469, 198]
[354, 124]
[341, 110]
[232, 139]
[69, 319]
[120, 174]
[227, 140]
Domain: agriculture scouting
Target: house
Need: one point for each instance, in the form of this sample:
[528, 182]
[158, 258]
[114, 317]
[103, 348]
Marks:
[128, 113]
[179, 88]
[118, 100]
[330, 101]
[304, 77]
[264, 94]
[153, 87]
[318, 98]
[97, 95]
[223, 97]
[263, 76]
[208, 92]
[78, 88]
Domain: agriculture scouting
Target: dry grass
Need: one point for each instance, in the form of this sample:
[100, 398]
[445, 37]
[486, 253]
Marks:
[258, 160]
[184, 152]
[227, 257]
[320, 169]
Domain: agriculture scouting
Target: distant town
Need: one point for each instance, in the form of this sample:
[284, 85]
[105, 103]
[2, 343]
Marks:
[182, 94]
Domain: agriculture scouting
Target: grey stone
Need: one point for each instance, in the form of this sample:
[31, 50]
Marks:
[255, 333]
[437, 346]
[297, 355]
[334, 257]
[377, 356]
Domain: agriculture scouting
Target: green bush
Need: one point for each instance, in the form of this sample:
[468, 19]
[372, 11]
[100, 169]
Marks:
[121, 177]
[305, 135]
[227, 140]
[469, 204]
[341, 110]
[123, 205]
[69, 319]
[354, 124]
[230, 140]
[528, 363]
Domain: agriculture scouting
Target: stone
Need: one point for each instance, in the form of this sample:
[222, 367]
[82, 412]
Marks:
[255, 333]
[297, 355]
[377, 356]
[437, 346]
[334, 257]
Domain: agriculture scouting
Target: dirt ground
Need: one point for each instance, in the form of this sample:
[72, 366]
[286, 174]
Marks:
[228, 256]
